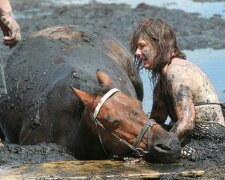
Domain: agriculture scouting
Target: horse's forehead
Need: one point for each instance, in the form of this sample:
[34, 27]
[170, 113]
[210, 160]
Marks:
[123, 100]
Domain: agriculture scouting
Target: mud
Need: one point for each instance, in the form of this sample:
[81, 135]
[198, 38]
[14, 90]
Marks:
[14, 154]
[192, 32]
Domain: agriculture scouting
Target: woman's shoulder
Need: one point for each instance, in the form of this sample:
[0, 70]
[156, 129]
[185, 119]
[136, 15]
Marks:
[180, 69]
[181, 65]
[180, 62]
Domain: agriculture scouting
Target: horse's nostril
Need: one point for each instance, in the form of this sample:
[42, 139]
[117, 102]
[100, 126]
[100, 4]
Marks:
[166, 152]
[163, 147]
[174, 143]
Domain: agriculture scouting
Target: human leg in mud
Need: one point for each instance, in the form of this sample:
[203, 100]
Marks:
[11, 35]
[181, 90]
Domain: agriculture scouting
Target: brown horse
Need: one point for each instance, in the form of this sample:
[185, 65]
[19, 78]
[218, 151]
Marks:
[123, 128]
[103, 119]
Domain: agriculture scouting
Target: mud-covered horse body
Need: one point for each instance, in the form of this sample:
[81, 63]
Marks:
[40, 106]
[41, 69]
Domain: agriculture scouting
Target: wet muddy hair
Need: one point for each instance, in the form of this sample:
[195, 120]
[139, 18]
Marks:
[163, 39]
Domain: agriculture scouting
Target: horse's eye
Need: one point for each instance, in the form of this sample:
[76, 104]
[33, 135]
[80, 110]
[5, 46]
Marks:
[115, 123]
[135, 113]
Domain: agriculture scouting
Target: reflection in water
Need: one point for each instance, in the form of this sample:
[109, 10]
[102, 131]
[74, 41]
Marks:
[209, 60]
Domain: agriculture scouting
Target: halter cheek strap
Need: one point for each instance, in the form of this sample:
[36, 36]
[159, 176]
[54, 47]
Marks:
[103, 99]
[137, 151]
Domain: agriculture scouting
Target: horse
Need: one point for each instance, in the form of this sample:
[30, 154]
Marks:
[80, 90]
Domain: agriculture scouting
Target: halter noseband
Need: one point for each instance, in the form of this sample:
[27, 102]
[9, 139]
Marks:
[138, 151]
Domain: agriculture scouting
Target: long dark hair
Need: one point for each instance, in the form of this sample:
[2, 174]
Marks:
[163, 39]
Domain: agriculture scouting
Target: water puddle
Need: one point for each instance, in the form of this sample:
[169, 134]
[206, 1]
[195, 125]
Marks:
[209, 60]
[104, 169]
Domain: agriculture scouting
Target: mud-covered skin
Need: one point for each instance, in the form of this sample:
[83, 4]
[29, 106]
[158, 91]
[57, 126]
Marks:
[206, 140]
[192, 95]
[40, 106]
[187, 101]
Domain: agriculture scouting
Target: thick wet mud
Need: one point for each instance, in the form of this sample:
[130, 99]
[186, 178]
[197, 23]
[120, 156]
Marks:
[14, 154]
[193, 32]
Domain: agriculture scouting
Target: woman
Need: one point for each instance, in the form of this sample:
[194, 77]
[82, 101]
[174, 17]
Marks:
[181, 89]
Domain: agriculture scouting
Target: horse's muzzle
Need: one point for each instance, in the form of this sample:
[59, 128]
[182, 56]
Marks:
[165, 152]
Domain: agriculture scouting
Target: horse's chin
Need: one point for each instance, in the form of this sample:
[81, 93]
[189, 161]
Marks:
[161, 153]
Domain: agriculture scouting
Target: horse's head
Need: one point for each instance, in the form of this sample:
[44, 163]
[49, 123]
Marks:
[124, 128]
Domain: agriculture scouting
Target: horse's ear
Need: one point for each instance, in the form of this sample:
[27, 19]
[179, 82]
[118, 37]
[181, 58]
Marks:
[103, 78]
[86, 98]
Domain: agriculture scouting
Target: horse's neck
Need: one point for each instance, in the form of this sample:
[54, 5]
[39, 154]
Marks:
[121, 56]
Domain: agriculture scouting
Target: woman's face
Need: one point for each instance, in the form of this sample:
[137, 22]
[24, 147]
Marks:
[145, 53]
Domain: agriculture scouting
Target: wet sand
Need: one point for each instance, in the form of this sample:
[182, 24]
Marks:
[192, 32]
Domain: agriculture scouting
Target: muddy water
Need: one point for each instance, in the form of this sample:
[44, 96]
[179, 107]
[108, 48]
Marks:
[105, 169]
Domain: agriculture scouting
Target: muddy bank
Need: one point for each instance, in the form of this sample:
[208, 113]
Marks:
[192, 32]
[120, 20]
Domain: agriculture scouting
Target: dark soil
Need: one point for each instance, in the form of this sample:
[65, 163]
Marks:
[192, 32]
[14, 154]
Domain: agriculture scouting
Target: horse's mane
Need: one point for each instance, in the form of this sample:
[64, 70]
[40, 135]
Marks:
[123, 58]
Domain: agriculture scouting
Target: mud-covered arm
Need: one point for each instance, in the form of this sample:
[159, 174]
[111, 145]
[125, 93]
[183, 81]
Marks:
[9, 26]
[183, 105]
[158, 112]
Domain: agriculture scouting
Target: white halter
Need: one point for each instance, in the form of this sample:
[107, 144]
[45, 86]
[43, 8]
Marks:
[103, 99]
[138, 151]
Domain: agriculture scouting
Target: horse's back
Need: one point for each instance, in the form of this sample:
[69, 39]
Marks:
[45, 58]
